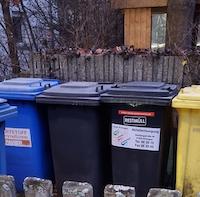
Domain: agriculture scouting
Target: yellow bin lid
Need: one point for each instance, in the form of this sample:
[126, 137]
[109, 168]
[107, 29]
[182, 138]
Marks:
[188, 98]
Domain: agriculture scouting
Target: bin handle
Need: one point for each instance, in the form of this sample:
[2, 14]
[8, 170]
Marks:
[30, 84]
[99, 88]
[47, 86]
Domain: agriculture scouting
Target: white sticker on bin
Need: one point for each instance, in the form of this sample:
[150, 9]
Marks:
[138, 138]
[18, 137]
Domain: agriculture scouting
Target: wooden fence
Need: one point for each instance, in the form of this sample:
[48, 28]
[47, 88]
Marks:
[111, 68]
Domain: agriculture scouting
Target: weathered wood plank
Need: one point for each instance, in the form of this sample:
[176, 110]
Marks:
[160, 68]
[56, 69]
[111, 68]
[145, 29]
[148, 28]
[70, 68]
[88, 68]
[81, 70]
[138, 68]
[43, 61]
[127, 21]
[137, 25]
[165, 68]
[137, 29]
[106, 64]
[178, 71]
[63, 66]
[118, 69]
[126, 69]
[93, 69]
[99, 68]
[148, 68]
[157, 68]
[171, 69]
[132, 28]
[131, 69]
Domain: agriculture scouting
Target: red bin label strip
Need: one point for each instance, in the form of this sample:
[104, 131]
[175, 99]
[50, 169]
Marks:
[18, 137]
[136, 113]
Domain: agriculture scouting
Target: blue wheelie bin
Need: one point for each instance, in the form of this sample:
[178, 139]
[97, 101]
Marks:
[6, 111]
[28, 150]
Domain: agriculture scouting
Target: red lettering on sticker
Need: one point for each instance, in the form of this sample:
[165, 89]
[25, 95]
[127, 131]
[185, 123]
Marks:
[136, 113]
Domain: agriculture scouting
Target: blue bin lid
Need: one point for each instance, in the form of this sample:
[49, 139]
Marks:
[157, 93]
[25, 88]
[6, 111]
[74, 93]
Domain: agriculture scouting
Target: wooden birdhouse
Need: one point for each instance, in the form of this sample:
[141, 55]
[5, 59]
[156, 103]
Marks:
[144, 22]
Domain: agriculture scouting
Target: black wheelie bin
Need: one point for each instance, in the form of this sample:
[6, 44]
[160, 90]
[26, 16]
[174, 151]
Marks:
[79, 137]
[140, 132]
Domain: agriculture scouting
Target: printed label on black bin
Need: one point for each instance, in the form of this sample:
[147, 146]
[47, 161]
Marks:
[18, 137]
[137, 138]
[135, 120]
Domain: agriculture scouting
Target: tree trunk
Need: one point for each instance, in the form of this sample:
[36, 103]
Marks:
[10, 37]
[180, 24]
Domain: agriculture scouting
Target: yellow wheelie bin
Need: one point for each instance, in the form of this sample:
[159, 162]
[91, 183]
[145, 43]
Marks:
[187, 104]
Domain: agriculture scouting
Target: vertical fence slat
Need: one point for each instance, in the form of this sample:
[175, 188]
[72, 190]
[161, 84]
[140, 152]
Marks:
[157, 68]
[66, 74]
[160, 68]
[130, 69]
[81, 71]
[37, 64]
[69, 67]
[60, 72]
[93, 69]
[106, 65]
[148, 68]
[138, 68]
[61, 62]
[111, 68]
[118, 69]
[170, 70]
[165, 68]
[88, 68]
[56, 68]
[178, 71]
[99, 68]
[65, 68]
[127, 69]
[73, 69]
[121, 69]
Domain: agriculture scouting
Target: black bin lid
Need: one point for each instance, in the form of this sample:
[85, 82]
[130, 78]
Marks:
[157, 93]
[74, 93]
